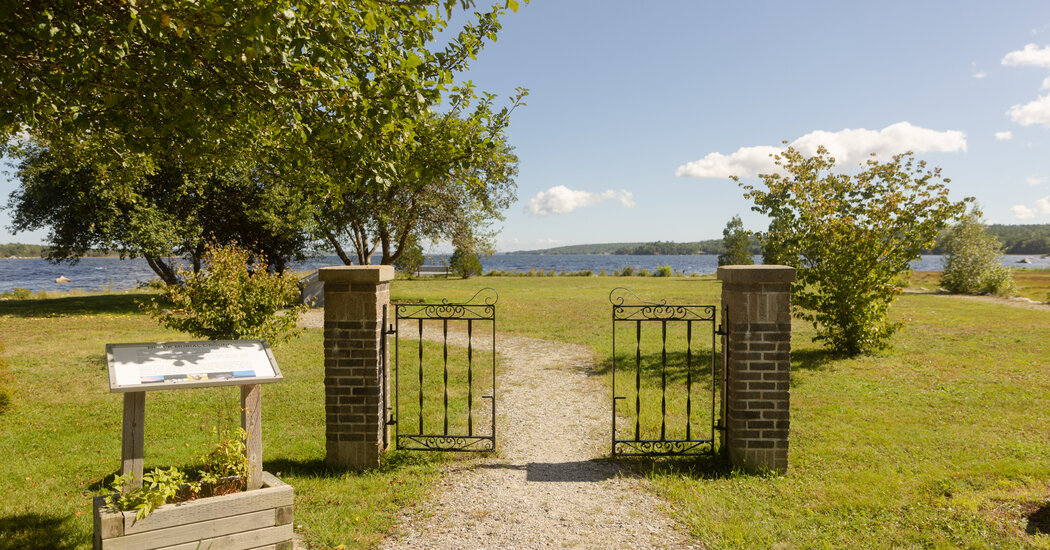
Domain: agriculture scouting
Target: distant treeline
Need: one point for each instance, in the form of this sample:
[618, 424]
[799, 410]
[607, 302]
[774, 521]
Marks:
[19, 250]
[1016, 239]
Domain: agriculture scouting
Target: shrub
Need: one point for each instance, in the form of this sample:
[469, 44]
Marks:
[627, 271]
[971, 265]
[602, 273]
[411, 257]
[736, 244]
[464, 263]
[849, 236]
[643, 272]
[664, 271]
[232, 297]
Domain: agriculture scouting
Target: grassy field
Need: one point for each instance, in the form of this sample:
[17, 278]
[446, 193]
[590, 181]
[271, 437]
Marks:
[942, 443]
[60, 444]
[1033, 284]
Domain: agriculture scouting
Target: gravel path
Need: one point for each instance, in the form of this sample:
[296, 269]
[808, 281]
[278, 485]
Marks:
[544, 488]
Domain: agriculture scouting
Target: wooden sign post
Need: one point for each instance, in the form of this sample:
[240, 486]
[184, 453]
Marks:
[135, 369]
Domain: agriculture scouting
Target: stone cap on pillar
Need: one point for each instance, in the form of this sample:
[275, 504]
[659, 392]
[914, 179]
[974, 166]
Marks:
[756, 274]
[357, 274]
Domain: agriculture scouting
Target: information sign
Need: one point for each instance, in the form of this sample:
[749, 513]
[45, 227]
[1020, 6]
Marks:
[170, 365]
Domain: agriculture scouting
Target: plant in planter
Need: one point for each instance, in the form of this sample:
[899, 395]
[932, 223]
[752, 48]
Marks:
[224, 470]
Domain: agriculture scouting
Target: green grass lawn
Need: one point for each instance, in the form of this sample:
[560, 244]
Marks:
[942, 443]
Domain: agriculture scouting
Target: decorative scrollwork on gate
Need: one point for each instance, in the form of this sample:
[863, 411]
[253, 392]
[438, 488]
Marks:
[444, 443]
[662, 448]
[474, 308]
[655, 311]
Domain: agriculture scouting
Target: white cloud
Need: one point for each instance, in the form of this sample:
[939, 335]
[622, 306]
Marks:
[848, 146]
[1004, 136]
[1046, 84]
[1035, 180]
[1033, 112]
[1022, 212]
[562, 200]
[746, 161]
[1031, 55]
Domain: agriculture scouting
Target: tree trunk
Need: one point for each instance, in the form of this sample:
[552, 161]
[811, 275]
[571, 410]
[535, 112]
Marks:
[163, 270]
[339, 249]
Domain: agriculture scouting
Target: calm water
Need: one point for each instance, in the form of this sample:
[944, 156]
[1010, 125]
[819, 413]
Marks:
[115, 274]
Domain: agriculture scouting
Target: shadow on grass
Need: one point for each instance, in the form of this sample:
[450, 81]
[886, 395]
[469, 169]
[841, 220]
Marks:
[75, 305]
[579, 471]
[812, 359]
[37, 531]
[1039, 521]
[393, 461]
[703, 467]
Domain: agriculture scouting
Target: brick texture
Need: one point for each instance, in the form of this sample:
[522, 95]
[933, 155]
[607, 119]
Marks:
[757, 308]
[354, 298]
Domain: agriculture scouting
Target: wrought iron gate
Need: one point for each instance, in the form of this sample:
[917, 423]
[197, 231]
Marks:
[653, 433]
[423, 421]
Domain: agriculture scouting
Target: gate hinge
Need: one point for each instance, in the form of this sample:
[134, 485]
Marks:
[390, 330]
[721, 332]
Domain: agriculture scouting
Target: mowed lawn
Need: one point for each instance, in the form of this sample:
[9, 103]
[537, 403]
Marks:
[942, 443]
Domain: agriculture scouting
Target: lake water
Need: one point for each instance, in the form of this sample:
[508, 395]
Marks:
[115, 274]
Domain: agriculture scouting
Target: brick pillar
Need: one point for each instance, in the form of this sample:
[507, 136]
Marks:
[354, 390]
[756, 302]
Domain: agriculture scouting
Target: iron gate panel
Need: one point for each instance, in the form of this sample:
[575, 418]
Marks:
[479, 309]
[696, 440]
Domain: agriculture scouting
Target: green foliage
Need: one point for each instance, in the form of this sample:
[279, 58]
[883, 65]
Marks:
[411, 256]
[224, 470]
[464, 263]
[736, 244]
[664, 271]
[972, 265]
[627, 271]
[178, 211]
[232, 297]
[849, 236]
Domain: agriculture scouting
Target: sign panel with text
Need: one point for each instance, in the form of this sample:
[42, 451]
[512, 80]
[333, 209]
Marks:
[170, 365]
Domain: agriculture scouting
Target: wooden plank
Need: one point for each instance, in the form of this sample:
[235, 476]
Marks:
[108, 523]
[285, 514]
[131, 445]
[241, 541]
[193, 532]
[251, 421]
[270, 480]
[169, 515]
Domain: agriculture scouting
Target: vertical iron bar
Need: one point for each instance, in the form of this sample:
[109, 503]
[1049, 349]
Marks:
[637, 380]
[493, 432]
[613, 442]
[663, 381]
[689, 379]
[420, 376]
[470, 378]
[397, 375]
[720, 381]
[444, 331]
[386, 381]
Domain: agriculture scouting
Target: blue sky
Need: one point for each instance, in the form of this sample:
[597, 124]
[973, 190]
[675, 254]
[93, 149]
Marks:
[639, 110]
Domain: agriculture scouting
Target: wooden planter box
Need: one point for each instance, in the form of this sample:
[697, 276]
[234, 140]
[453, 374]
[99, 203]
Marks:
[261, 518]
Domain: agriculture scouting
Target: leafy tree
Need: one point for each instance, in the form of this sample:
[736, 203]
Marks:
[465, 263]
[849, 236]
[972, 265]
[411, 257]
[173, 215]
[233, 297]
[212, 81]
[736, 244]
[458, 176]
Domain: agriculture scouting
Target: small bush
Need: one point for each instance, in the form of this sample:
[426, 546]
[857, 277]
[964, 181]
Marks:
[627, 271]
[464, 263]
[664, 271]
[531, 273]
[643, 272]
[232, 297]
[602, 273]
[552, 273]
[972, 264]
